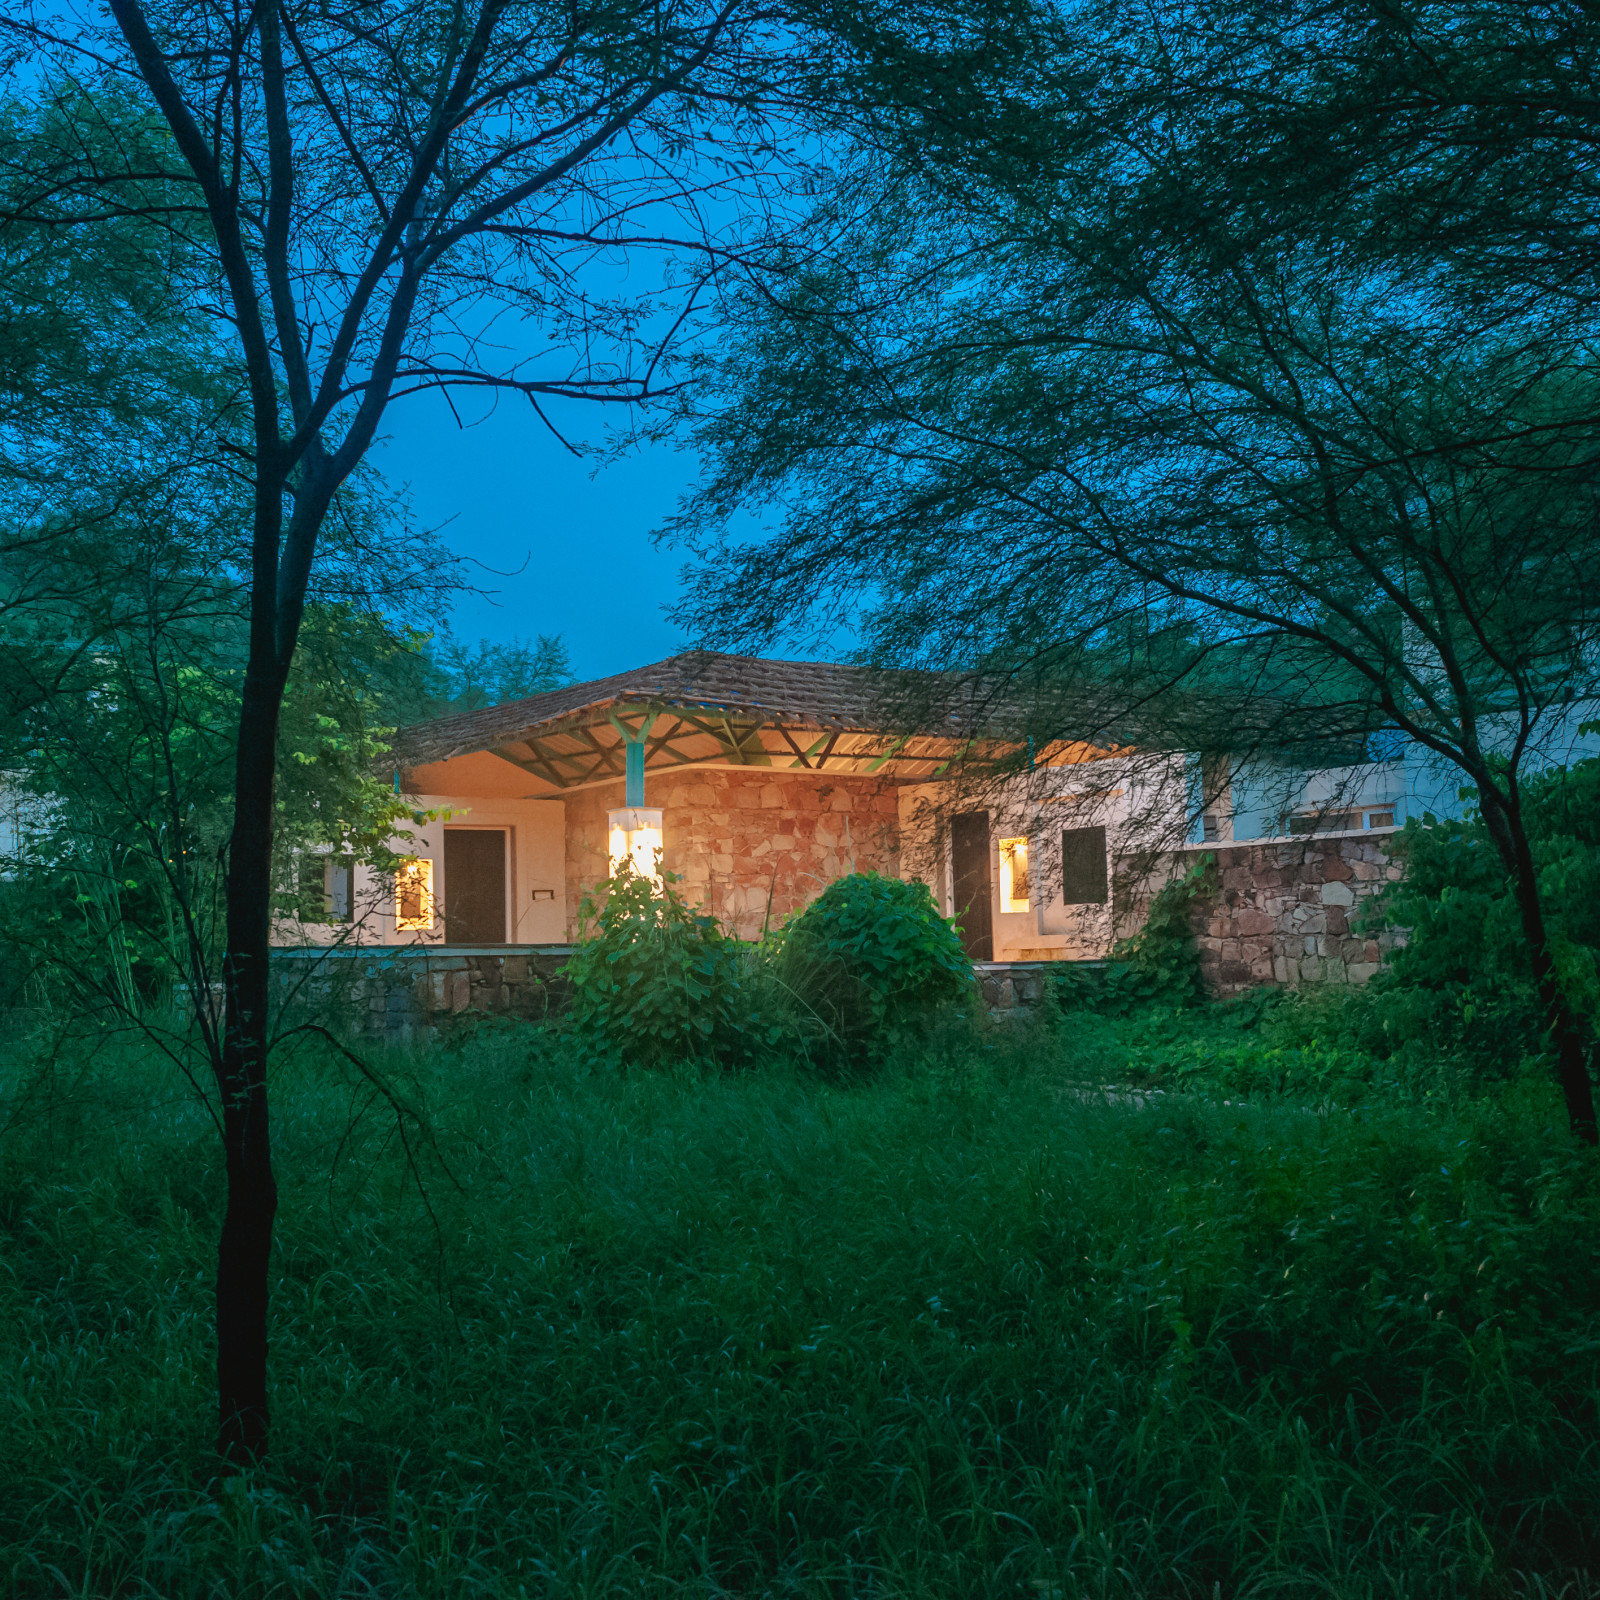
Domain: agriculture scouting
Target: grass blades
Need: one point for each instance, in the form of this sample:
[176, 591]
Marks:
[957, 1330]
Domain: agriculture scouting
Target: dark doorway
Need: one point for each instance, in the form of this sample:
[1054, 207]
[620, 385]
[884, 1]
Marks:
[969, 860]
[474, 886]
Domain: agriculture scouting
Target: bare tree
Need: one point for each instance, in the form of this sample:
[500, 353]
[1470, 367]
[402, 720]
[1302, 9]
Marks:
[396, 196]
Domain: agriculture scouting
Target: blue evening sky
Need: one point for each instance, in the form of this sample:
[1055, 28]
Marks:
[505, 493]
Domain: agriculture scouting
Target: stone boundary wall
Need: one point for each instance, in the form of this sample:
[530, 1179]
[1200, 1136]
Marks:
[415, 992]
[1285, 911]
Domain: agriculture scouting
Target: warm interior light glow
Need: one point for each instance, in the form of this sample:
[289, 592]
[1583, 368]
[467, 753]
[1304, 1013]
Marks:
[413, 895]
[1013, 874]
[636, 837]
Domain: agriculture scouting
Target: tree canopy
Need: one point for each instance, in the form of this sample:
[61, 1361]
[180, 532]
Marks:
[1130, 332]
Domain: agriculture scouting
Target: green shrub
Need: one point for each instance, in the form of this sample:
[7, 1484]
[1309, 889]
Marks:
[660, 984]
[1159, 965]
[867, 959]
[1247, 1063]
[1462, 985]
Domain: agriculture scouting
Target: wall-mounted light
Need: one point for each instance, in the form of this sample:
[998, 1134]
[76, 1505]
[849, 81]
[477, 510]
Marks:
[1013, 874]
[636, 837]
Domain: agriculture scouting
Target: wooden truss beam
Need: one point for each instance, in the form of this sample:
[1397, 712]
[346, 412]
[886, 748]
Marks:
[663, 729]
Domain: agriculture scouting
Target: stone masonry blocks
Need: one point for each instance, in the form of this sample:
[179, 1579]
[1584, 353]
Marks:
[1291, 912]
[749, 847]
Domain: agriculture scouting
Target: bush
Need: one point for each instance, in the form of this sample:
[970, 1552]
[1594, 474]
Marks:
[867, 959]
[1159, 965]
[660, 984]
[1462, 986]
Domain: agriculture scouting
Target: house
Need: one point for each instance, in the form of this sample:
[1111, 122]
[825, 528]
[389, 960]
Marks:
[755, 782]
[758, 782]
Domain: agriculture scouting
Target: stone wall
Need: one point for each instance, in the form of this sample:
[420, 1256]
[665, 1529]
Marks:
[737, 838]
[401, 993]
[1289, 912]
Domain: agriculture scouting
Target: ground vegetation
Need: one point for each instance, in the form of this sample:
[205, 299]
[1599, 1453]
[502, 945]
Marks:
[994, 1319]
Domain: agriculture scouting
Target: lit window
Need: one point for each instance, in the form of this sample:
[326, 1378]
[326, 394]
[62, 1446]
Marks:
[635, 842]
[1013, 874]
[413, 895]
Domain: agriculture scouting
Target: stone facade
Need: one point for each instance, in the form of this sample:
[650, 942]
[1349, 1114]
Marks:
[1289, 912]
[398, 994]
[738, 838]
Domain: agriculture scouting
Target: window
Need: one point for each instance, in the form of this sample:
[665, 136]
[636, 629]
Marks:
[1013, 874]
[1083, 866]
[413, 895]
[1380, 819]
[1322, 822]
[327, 888]
[1210, 828]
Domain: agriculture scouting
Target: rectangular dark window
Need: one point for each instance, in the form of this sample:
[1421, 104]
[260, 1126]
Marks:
[1323, 822]
[1083, 866]
[327, 888]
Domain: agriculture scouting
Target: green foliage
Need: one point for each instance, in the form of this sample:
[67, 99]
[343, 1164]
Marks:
[122, 620]
[1159, 965]
[660, 985]
[868, 959]
[439, 675]
[123, 625]
[934, 1333]
[1462, 984]
[1269, 1044]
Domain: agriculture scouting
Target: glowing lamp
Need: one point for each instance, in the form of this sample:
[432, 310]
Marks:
[636, 837]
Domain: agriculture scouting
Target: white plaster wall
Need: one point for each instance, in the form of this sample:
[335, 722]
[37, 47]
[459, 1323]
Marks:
[535, 859]
[1139, 801]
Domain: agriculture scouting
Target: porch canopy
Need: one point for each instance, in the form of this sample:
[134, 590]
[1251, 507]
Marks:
[708, 710]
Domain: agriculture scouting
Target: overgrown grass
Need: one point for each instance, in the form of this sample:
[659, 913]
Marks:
[963, 1329]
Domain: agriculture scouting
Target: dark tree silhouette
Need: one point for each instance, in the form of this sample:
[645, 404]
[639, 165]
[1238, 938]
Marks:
[394, 196]
[1264, 329]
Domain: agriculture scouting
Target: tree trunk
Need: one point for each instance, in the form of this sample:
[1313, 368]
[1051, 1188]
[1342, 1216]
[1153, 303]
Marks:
[1504, 822]
[244, 1250]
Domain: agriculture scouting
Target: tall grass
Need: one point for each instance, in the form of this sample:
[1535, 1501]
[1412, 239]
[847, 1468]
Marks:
[960, 1330]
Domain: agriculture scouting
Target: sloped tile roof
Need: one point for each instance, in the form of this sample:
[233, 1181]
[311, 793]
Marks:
[804, 694]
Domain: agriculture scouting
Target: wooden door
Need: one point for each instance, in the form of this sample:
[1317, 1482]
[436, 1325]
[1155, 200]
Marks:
[969, 853]
[474, 886]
